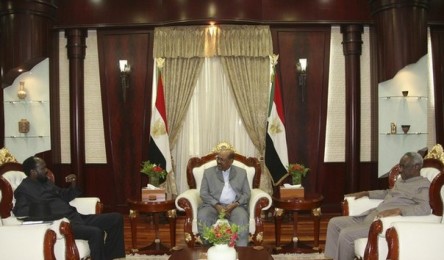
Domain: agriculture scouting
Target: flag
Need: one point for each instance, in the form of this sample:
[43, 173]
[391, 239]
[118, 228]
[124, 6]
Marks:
[276, 153]
[159, 146]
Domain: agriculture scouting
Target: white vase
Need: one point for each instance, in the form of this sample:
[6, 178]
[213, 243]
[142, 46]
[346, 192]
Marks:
[221, 252]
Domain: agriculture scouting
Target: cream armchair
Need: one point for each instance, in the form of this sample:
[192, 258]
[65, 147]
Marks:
[189, 201]
[11, 176]
[19, 242]
[375, 246]
[403, 241]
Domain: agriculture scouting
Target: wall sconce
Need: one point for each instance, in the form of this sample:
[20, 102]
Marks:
[125, 70]
[301, 68]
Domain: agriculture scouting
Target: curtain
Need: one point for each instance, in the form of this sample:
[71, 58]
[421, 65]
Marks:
[250, 86]
[180, 75]
[244, 49]
[211, 118]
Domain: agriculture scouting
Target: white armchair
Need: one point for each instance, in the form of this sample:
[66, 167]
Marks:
[11, 175]
[403, 237]
[375, 246]
[19, 242]
[190, 200]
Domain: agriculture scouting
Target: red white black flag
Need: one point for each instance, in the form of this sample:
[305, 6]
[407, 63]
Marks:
[159, 146]
[276, 153]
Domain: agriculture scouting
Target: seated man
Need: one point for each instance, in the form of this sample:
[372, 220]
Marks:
[225, 189]
[409, 196]
[36, 187]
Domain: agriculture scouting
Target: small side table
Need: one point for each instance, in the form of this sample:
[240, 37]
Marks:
[155, 207]
[310, 203]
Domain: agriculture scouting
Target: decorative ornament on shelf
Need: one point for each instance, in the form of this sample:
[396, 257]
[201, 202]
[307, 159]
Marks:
[23, 126]
[21, 93]
[297, 171]
[223, 236]
[154, 172]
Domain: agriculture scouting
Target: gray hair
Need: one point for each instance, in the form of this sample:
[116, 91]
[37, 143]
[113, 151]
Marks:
[415, 158]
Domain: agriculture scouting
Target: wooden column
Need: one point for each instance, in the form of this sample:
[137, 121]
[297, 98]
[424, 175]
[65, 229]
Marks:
[76, 54]
[401, 32]
[25, 26]
[352, 47]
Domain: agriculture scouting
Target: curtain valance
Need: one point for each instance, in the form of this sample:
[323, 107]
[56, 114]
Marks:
[208, 41]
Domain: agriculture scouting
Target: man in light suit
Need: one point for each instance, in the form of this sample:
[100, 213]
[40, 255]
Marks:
[225, 189]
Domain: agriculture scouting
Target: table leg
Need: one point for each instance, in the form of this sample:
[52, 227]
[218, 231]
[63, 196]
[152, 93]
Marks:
[172, 221]
[277, 225]
[317, 223]
[295, 229]
[133, 220]
[156, 230]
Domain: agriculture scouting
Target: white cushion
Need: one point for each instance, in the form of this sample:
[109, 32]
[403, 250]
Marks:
[429, 172]
[86, 205]
[410, 235]
[361, 243]
[357, 207]
[23, 241]
[14, 178]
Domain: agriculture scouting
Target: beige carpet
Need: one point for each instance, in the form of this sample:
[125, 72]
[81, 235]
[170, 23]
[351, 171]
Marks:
[314, 256]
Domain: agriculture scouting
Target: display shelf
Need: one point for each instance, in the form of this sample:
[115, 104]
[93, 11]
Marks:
[412, 133]
[13, 102]
[25, 136]
[403, 97]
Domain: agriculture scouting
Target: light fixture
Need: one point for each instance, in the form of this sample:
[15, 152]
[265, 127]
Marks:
[301, 68]
[125, 70]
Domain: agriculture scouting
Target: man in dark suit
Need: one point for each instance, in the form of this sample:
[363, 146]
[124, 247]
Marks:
[36, 187]
[225, 189]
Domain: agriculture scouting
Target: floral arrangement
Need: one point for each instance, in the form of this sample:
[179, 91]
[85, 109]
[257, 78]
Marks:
[297, 171]
[221, 233]
[153, 171]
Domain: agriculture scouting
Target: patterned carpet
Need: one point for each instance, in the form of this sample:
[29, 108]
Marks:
[314, 256]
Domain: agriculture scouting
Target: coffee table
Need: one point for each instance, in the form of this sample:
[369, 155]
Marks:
[155, 207]
[310, 203]
[243, 253]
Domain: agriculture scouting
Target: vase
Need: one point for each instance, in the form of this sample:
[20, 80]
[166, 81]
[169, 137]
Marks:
[21, 93]
[221, 252]
[296, 179]
[154, 180]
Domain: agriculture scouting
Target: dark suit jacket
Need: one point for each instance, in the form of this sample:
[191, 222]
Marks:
[31, 190]
[213, 184]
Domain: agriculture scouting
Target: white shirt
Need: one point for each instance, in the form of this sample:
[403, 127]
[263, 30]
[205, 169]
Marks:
[228, 195]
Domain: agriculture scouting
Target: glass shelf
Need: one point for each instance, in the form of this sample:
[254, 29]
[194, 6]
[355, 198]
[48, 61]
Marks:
[25, 136]
[25, 101]
[412, 133]
[407, 97]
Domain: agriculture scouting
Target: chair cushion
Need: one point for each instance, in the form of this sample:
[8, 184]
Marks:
[361, 243]
[199, 171]
[429, 172]
[14, 178]
[23, 242]
[410, 233]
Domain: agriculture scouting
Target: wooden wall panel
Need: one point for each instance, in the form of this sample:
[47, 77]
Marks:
[437, 34]
[305, 109]
[125, 122]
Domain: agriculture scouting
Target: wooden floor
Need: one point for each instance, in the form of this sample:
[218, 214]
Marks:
[146, 234]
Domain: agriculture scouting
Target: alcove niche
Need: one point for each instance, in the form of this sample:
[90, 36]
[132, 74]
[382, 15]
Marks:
[399, 108]
[33, 108]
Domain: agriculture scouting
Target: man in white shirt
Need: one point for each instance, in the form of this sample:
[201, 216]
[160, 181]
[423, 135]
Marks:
[225, 189]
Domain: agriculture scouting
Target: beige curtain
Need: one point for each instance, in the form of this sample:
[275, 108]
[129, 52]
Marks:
[249, 78]
[180, 76]
[244, 51]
